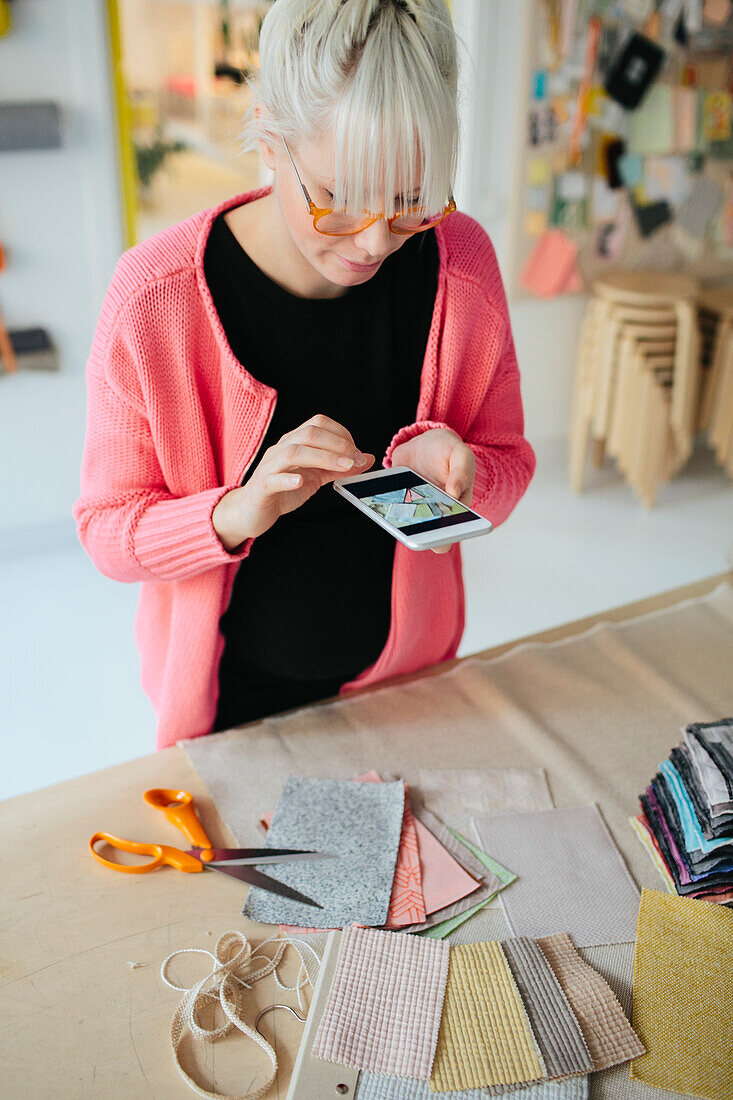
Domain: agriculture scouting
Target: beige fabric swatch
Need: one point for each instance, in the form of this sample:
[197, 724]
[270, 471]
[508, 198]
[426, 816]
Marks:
[487, 924]
[608, 1034]
[448, 791]
[570, 874]
[485, 1037]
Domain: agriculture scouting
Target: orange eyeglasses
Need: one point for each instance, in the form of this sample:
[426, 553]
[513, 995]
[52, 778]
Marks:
[336, 223]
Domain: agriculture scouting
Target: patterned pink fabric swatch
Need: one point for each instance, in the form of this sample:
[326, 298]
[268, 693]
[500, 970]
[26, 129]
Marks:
[407, 896]
[383, 1012]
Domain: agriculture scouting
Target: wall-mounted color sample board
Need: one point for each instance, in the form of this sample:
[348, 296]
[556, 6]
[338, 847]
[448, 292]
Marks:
[627, 156]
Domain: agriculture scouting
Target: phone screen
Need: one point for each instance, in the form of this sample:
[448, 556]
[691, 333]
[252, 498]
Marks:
[408, 502]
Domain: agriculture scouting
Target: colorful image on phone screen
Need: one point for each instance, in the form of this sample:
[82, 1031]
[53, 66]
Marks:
[416, 504]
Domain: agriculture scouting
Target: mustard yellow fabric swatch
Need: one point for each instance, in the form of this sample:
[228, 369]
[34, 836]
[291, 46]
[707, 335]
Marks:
[683, 995]
[485, 1037]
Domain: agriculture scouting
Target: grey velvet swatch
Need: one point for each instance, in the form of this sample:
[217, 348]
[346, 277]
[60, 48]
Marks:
[553, 1021]
[570, 875]
[358, 822]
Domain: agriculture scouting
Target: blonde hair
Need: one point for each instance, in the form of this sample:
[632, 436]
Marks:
[379, 77]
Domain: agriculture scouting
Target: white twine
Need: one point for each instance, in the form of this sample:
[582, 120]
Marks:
[232, 957]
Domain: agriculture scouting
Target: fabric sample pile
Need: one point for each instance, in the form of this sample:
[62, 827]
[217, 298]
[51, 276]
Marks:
[393, 869]
[686, 823]
[419, 1018]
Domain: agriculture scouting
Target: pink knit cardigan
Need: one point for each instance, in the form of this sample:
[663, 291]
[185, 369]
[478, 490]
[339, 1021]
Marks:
[174, 420]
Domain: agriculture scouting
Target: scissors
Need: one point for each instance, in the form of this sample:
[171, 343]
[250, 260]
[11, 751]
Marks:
[178, 807]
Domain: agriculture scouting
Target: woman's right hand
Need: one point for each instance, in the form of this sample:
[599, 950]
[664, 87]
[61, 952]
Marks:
[319, 451]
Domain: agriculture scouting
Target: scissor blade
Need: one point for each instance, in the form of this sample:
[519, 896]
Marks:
[256, 878]
[242, 856]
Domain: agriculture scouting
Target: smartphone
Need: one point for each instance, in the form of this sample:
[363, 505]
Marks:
[417, 513]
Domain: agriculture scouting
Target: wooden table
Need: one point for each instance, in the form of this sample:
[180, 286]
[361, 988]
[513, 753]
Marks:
[77, 1019]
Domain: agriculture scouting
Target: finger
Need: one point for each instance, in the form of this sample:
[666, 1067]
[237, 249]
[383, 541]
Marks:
[333, 475]
[295, 456]
[327, 440]
[320, 420]
[461, 472]
[441, 549]
[282, 483]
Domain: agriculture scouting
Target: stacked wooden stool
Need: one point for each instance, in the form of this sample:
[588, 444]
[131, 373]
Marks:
[636, 395]
[716, 402]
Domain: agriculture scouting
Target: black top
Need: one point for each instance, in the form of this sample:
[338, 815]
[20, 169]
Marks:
[312, 600]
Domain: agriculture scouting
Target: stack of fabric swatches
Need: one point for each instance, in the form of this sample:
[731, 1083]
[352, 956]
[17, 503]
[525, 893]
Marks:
[419, 1018]
[686, 823]
[395, 868]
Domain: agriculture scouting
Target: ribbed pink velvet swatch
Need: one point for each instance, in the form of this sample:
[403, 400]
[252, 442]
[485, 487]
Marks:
[383, 1012]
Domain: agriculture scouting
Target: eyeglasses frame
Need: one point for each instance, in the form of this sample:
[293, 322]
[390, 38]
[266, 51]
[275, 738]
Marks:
[318, 212]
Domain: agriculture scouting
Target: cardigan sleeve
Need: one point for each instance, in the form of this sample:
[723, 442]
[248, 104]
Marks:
[131, 526]
[505, 461]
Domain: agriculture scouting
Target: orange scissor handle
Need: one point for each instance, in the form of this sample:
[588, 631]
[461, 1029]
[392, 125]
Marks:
[161, 854]
[178, 807]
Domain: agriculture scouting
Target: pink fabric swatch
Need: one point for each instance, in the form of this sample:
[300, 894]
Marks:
[384, 1008]
[443, 879]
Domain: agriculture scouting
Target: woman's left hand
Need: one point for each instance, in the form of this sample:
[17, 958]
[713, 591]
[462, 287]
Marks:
[441, 457]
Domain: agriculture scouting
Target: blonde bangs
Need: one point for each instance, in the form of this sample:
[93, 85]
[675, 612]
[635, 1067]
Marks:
[379, 78]
[395, 130]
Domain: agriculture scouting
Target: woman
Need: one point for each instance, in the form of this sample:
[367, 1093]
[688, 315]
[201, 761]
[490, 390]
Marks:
[249, 356]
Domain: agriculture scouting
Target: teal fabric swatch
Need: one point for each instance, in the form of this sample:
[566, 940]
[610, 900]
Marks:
[694, 840]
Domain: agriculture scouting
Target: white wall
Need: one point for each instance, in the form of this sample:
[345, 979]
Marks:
[61, 228]
[493, 119]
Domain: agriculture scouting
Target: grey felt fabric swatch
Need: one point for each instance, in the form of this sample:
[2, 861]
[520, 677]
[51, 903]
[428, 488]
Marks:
[570, 875]
[553, 1021]
[375, 1086]
[358, 822]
